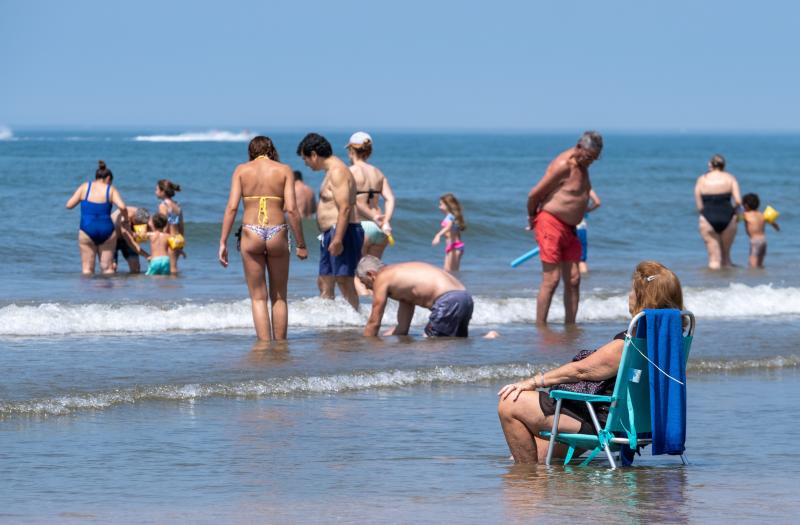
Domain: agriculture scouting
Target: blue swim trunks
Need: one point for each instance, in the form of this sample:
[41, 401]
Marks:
[158, 266]
[344, 264]
[450, 315]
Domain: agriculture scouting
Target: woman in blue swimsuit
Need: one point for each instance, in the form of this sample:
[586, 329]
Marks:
[97, 235]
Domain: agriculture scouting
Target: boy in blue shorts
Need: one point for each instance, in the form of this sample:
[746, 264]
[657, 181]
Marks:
[159, 260]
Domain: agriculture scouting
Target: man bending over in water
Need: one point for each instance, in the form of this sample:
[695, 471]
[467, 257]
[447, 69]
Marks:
[416, 284]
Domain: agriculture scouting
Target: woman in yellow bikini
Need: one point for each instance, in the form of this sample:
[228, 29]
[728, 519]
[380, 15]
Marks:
[267, 188]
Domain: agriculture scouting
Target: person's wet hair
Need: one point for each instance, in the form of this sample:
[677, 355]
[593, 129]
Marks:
[103, 172]
[717, 162]
[298, 175]
[314, 143]
[751, 201]
[361, 151]
[591, 140]
[168, 187]
[263, 146]
[159, 221]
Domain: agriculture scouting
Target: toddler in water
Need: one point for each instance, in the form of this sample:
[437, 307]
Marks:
[159, 247]
[754, 223]
[452, 226]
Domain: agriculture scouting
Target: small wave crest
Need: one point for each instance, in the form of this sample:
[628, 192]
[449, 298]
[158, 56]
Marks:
[207, 136]
[333, 384]
[735, 301]
[6, 133]
[295, 385]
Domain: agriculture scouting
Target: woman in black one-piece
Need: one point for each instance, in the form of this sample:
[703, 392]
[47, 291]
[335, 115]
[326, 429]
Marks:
[717, 198]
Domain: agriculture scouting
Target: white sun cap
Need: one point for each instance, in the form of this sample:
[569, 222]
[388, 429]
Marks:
[358, 138]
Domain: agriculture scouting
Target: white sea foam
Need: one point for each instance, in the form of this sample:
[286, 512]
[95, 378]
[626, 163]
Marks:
[356, 380]
[734, 301]
[207, 136]
[6, 133]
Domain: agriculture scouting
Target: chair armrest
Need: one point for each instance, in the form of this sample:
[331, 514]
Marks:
[575, 396]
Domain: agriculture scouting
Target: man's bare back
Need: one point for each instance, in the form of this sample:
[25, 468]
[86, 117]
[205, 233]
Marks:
[306, 201]
[416, 283]
[411, 284]
[563, 191]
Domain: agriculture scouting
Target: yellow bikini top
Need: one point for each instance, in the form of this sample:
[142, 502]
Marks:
[263, 215]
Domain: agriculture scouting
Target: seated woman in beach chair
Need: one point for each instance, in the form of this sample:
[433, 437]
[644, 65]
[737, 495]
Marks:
[525, 412]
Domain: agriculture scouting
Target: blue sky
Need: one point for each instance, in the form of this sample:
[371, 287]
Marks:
[619, 65]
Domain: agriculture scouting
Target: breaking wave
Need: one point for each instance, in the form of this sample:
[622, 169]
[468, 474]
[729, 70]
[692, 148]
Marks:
[5, 133]
[207, 136]
[332, 384]
[734, 301]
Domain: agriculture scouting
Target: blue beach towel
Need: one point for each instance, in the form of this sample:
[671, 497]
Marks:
[667, 368]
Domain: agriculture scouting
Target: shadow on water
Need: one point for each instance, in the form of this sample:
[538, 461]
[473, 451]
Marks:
[632, 495]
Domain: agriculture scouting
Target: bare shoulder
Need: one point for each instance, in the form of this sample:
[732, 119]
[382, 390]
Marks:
[340, 174]
[244, 167]
[729, 176]
[386, 276]
[285, 171]
[560, 167]
[356, 172]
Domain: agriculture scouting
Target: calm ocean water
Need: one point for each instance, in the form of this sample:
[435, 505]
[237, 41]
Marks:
[145, 399]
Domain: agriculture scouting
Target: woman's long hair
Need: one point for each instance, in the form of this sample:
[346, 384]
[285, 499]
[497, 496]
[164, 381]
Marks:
[262, 146]
[454, 207]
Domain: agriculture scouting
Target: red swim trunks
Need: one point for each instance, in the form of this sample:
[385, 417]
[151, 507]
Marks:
[557, 240]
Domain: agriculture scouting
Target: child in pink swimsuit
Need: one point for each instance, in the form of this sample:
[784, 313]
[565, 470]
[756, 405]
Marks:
[452, 226]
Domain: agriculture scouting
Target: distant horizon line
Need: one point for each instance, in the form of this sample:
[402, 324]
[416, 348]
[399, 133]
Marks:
[193, 128]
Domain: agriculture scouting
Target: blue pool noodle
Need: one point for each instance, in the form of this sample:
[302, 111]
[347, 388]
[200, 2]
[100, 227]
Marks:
[524, 257]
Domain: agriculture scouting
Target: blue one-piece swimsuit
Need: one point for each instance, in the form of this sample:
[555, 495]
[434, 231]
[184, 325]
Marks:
[96, 218]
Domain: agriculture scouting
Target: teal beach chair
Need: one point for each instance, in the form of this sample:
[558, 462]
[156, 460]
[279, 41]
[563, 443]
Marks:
[629, 413]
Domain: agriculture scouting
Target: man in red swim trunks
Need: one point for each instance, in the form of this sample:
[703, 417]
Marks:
[555, 206]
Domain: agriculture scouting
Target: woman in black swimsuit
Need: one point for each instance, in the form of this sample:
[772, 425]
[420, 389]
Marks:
[717, 197]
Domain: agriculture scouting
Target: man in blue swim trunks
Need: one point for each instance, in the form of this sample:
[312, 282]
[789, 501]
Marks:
[342, 234]
[415, 284]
